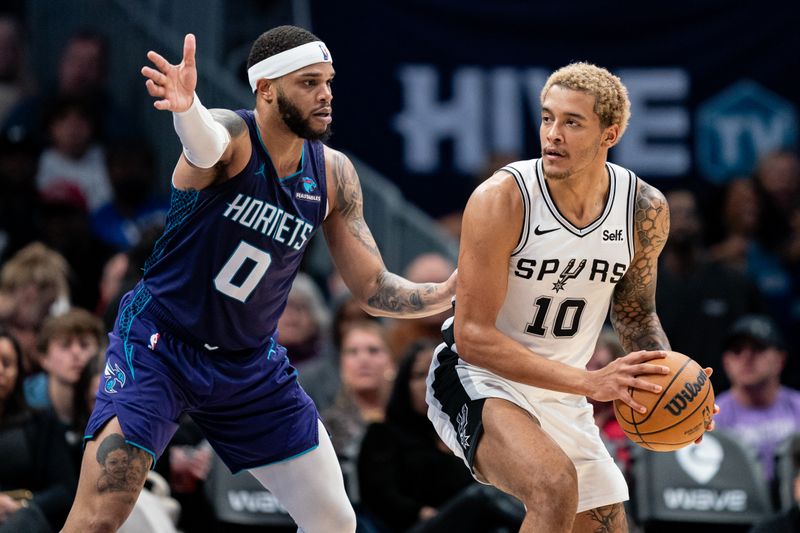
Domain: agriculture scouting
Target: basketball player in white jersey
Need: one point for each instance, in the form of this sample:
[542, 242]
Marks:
[546, 246]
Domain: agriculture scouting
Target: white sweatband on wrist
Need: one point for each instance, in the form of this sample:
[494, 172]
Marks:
[204, 139]
[288, 61]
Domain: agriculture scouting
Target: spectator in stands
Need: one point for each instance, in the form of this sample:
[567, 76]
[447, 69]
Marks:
[82, 73]
[67, 344]
[778, 182]
[367, 369]
[33, 285]
[85, 390]
[83, 397]
[74, 155]
[741, 213]
[758, 410]
[15, 80]
[83, 66]
[305, 323]
[699, 298]
[408, 479]
[37, 482]
[64, 226]
[347, 311]
[121, 273]
[788, 520]
[451, 222]
[114, 272]
[320, 378]
[18, 203]
[305, 332]
[429, 266]
[186, 465]
[742, 250]
[134, 208]
[335, 287]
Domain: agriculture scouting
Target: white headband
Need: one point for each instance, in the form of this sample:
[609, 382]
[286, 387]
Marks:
[288, 61]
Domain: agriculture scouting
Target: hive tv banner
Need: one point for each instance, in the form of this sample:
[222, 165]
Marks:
[435, 93]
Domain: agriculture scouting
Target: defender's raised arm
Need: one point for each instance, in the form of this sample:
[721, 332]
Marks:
[213, 140]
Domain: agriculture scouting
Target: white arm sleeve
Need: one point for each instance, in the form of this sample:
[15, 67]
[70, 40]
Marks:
[204, 139]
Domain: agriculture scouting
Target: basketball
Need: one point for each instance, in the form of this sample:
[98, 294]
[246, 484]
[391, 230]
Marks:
[676, 416]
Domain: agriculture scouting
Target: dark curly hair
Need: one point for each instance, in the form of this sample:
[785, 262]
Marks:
[15, 404]
[400, 412]
[109, 444]
[278, 40]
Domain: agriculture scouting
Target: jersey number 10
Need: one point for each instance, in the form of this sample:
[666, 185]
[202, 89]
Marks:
[567, 321]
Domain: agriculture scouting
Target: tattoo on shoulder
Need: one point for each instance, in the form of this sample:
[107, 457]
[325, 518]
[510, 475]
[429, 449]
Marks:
[124, 467]
[651, 219]
[633, 310]
[350, 200]
[230, 120]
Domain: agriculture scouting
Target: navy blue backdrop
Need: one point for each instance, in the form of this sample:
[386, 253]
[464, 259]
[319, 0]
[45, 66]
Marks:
[430, 91]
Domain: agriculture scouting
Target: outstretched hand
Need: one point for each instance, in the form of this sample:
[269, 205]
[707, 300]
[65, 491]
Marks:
[173, 85]
[615, 380]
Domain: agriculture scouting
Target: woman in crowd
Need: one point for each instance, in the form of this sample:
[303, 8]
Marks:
[367, 371]
[37, 482]
[408, 478]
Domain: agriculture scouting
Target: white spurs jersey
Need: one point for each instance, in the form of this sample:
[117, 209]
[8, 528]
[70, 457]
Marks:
[561, 278]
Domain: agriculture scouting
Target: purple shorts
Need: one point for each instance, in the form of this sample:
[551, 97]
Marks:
[249, 406]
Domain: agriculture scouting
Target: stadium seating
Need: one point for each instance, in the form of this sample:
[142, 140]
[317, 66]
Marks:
[715, 482]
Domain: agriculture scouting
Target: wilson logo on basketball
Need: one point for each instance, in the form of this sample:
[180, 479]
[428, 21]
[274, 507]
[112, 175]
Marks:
[680, 401]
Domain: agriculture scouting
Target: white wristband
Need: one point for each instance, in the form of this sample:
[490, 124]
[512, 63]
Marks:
[204, 139]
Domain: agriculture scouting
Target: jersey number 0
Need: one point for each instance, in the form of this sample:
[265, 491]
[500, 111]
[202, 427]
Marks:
[244, 253]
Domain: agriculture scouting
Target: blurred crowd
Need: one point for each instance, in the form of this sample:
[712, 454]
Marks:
[80, 211]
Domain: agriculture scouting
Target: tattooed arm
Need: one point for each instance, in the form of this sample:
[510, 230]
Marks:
[633, 309]
[356, 255]
[232, 161]
[173, 87]
[493, 220]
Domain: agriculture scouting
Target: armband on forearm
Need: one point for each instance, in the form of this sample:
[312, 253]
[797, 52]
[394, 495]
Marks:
[204, 139]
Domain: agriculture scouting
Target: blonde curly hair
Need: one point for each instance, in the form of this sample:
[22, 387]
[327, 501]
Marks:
[611, 103]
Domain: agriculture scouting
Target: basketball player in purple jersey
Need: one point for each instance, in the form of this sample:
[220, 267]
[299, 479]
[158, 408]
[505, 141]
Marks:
[198, 334]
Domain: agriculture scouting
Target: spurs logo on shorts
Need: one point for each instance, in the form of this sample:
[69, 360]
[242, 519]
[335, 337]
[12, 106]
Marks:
[462, 419]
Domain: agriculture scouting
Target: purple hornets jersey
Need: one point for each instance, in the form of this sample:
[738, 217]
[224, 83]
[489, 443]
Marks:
[220, 274]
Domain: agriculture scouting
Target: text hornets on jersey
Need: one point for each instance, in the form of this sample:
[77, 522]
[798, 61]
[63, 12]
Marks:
[269, 220]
